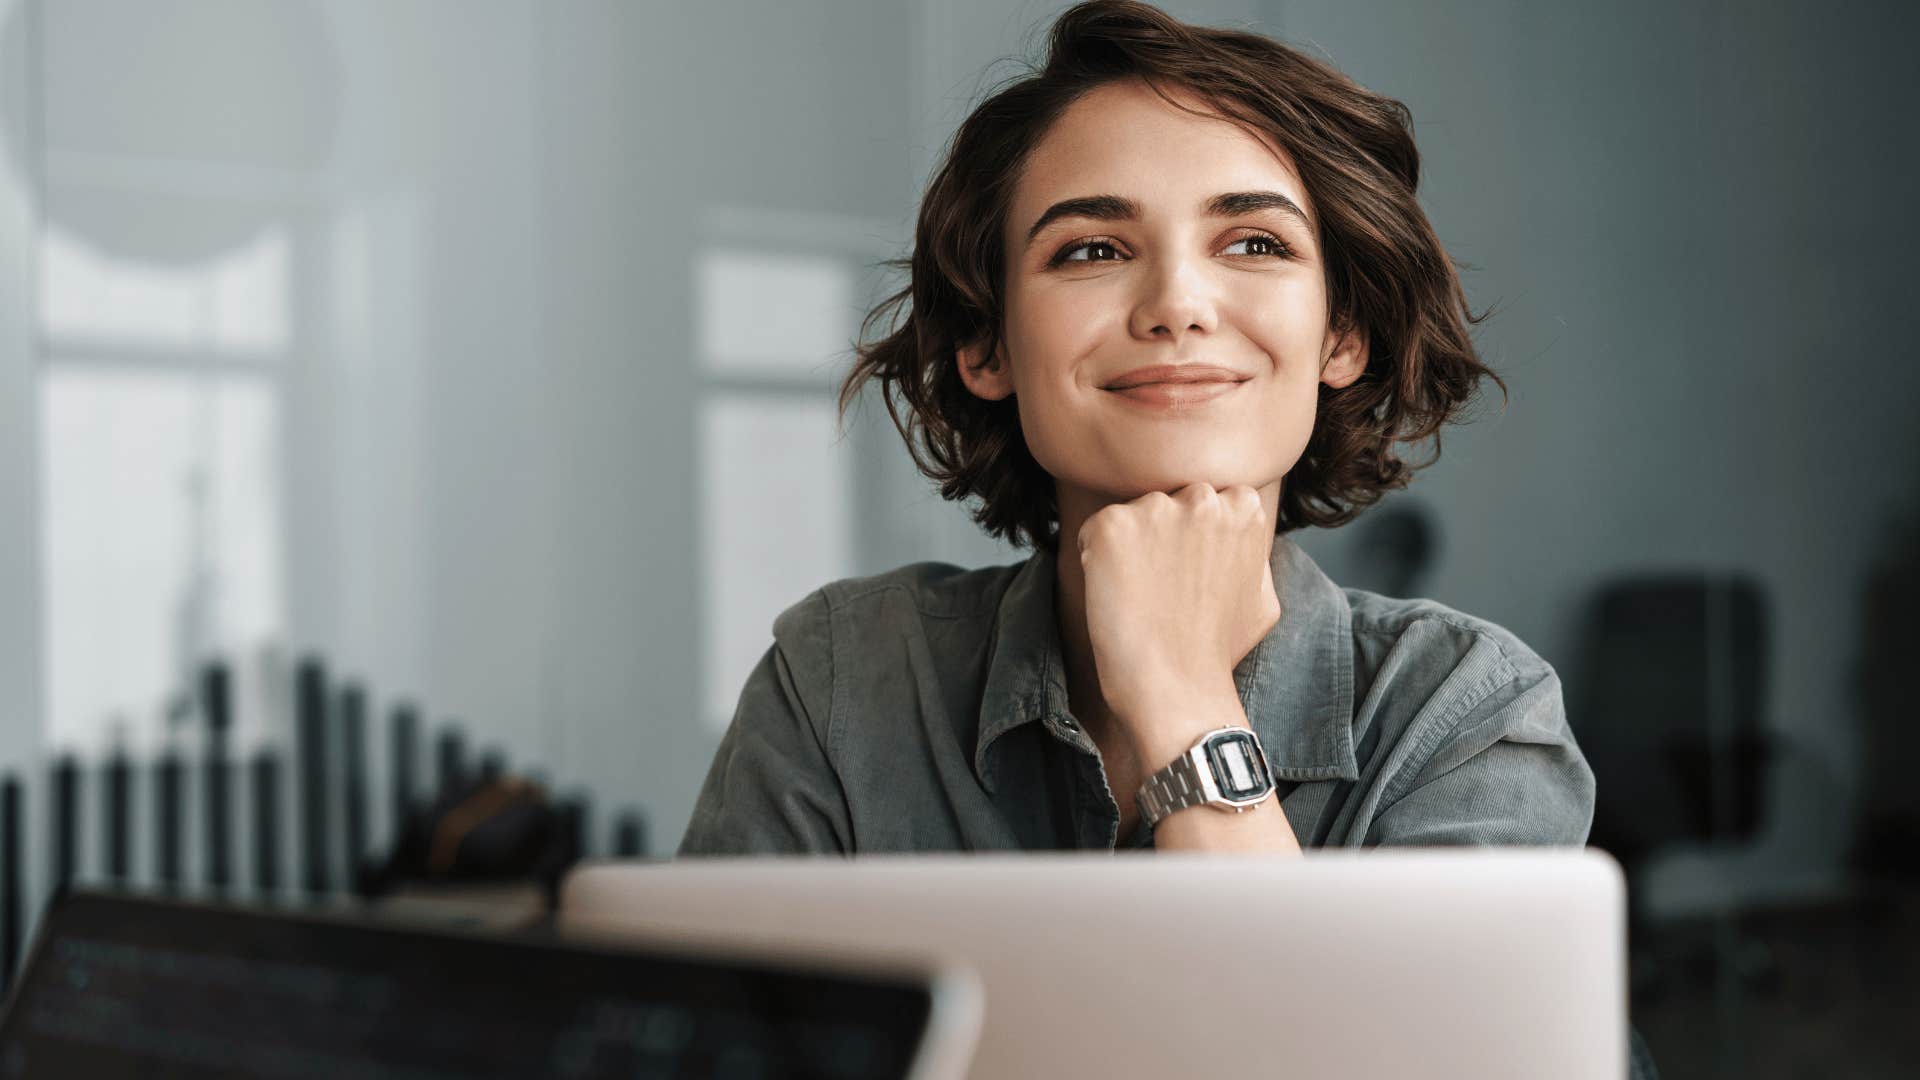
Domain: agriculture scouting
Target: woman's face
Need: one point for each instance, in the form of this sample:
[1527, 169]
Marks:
[1154, 267]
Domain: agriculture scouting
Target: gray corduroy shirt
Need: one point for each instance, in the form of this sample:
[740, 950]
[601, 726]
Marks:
[925, 709]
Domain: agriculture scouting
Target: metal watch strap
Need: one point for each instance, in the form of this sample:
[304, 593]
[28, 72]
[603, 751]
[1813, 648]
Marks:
[1180, 784]
[1175, 787]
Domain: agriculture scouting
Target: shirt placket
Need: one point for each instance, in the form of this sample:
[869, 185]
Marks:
[1098, 821]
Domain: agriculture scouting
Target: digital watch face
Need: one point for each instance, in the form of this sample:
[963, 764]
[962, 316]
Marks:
[1237, 765]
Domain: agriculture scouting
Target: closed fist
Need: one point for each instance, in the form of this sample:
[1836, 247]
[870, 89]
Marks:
[1178, 591]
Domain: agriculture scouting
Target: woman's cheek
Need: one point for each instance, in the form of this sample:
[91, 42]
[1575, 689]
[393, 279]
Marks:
[1293, 431]
[1036, 425]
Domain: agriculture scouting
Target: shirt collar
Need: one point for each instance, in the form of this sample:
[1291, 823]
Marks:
[1296, 685]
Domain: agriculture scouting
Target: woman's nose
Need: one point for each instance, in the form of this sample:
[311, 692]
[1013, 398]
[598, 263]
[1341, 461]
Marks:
[1176, 303]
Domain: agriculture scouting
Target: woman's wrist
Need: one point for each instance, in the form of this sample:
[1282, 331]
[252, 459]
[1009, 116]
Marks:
[1165, 724]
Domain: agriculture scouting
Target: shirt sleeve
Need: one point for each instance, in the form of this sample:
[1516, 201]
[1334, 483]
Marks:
[771, 788]
[1508, 772]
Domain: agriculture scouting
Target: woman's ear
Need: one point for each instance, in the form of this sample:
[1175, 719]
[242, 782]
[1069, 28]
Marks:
[988, 377]
[1348, 360]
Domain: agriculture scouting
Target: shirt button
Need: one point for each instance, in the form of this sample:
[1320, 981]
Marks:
[1067, 722]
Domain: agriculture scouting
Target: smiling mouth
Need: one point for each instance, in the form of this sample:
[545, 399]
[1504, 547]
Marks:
[1175, 373]
[1174, 394]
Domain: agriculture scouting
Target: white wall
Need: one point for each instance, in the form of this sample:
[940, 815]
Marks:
[20, 733]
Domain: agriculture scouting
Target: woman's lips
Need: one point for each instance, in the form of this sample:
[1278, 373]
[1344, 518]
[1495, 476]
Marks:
[1163, 395]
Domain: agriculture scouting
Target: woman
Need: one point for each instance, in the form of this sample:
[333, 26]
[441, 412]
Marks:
[1172, 297]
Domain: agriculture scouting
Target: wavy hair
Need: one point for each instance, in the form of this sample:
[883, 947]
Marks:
[1385, 269]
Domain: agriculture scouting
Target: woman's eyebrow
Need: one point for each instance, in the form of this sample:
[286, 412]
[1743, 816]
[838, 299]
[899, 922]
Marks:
[1120, 208]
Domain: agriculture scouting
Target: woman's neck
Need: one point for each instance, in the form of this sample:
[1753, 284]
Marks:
[1070, 606]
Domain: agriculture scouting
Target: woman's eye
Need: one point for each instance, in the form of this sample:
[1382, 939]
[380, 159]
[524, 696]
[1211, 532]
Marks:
[1260, 245]
[1066, 254]
[1269, 245]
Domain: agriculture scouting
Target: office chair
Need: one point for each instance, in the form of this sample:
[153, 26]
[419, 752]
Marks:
[1671, 719]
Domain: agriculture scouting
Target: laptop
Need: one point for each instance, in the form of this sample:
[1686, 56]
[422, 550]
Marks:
[1441, 962]
[124, 986]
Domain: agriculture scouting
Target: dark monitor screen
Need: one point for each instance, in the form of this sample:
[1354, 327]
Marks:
[125, 986]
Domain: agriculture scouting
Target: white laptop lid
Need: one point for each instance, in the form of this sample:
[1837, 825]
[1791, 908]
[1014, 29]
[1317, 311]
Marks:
[1488, 962]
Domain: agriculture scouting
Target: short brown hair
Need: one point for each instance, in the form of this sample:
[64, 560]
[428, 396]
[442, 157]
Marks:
[1386, 271]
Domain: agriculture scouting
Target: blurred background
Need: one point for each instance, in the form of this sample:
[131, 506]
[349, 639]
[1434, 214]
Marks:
[482, 356]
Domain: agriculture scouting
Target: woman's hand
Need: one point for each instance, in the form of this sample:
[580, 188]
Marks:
[1178, 590]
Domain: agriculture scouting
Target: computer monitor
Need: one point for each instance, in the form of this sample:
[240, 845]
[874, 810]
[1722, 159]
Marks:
[119, 985]
[1380, 962]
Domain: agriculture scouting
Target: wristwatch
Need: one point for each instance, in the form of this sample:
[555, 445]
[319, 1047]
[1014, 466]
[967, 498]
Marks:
[1225, 769]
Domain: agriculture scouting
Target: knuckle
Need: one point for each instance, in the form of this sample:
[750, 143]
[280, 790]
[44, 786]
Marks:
[1091, 529]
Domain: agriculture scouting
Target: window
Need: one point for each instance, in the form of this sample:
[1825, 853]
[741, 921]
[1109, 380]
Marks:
[162, 406]
[778, 299]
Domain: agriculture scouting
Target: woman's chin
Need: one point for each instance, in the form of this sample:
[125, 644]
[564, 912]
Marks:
[1136, 486]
